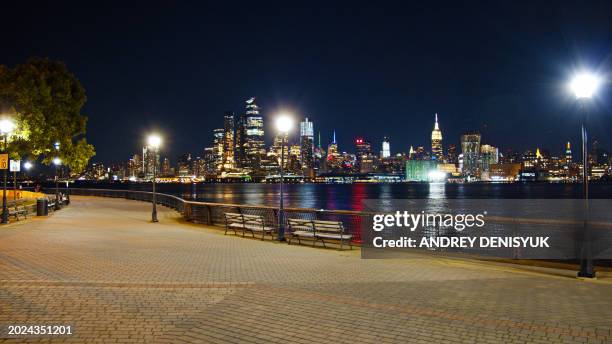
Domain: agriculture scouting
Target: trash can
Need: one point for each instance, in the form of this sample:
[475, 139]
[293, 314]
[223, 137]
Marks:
[41, 207]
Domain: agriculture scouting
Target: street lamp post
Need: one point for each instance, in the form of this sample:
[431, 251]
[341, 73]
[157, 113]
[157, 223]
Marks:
[284, 123]
[154, 142]
[584, 87]
[6, 127]
[15, 187]
[57, 162]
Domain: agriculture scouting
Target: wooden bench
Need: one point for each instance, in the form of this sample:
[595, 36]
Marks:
[247, 223]
[50, 204]
[299, 229]
[19, 210]
[319, 230]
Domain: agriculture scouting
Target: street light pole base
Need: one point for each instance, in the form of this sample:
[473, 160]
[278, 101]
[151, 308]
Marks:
[586, 275]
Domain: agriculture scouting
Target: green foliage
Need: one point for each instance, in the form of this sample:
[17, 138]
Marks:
[46, 100]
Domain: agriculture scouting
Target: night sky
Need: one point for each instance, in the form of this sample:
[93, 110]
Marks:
[372, 71]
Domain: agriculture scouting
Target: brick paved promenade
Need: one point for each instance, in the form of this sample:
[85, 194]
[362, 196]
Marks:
[99, 266]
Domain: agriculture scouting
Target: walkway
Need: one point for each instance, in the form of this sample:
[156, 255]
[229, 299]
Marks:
[102, 268]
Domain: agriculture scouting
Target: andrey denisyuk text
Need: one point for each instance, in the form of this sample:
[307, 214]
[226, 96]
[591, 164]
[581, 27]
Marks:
[412, 221]
[462, 242]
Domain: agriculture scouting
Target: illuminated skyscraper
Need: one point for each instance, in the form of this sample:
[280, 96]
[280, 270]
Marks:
[219, 144]
[436, 142]
[470, 148]
[364, 158]
[228, 142]
[332, 160]
[421, 154]
[148, 161]
[250, 137]
[306, 144]
[209, 161]
[529, 159]
[165, 168]
[135, 166]
[184, 166]
[411, 153]
[488, 155]
[279, 144]
[198, 167]
[386, 148]
[568, 154]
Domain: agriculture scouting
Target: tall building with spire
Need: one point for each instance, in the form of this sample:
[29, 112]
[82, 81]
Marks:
[411, 153]
[332, 160]
[568, 153]
[250, 145]
[332, 148]
[436, 142]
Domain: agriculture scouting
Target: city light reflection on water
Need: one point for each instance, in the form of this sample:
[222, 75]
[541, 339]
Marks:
[351, 196]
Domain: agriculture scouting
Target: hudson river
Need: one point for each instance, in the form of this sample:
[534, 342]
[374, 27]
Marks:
[350, 196]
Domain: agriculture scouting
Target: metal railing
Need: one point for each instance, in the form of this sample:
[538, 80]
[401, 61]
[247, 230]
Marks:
[212, 214]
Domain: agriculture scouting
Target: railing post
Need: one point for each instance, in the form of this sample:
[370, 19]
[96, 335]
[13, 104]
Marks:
[209, 212]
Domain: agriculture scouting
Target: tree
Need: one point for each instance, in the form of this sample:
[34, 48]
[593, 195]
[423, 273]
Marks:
[46, 100]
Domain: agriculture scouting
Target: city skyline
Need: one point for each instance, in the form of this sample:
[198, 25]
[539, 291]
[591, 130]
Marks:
[239, 152]
[385, 78]
[378, 143]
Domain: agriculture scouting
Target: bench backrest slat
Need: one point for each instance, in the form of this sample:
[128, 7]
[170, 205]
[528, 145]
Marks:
[233, 217]
[257, 220]
[328, 226]
[301, 224]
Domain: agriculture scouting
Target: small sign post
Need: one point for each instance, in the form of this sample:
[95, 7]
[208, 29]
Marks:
[15, 167]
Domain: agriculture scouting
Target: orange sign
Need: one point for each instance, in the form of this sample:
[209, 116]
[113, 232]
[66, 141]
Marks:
[4, 161]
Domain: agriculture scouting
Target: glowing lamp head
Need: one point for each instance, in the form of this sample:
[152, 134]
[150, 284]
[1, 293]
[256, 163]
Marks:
[57, 161]
[284, 123]
[56, 145]
[27, 165]
[6, 126]
[154, 141]
[584, 85]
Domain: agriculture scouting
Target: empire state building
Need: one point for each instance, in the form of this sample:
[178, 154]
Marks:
[436, 142]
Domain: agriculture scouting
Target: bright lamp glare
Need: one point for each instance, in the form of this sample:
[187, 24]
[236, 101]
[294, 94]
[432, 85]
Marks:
[284, 123]
[436, 176]
[27, 165]
[6, 126]
[57, 161]
[154, 141]
[584, 85]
